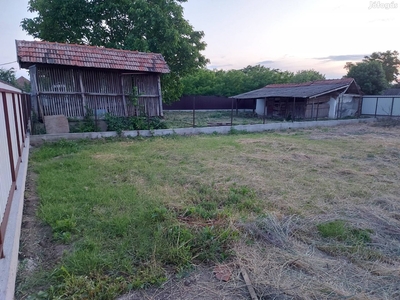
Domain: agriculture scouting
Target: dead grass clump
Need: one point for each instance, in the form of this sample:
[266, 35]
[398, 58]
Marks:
[273, 229]
[387, 122]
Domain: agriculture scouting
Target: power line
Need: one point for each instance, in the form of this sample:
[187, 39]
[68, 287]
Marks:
[8, 63]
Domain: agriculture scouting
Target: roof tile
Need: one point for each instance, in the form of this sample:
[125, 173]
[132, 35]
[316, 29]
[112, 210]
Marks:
[32, 52]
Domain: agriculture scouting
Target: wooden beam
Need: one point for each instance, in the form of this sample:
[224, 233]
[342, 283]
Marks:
[84, 104]
[123, 97]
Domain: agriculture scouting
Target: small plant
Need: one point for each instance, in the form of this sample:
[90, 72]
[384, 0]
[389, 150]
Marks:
[88, 124]
[119, 124]
[341, 231]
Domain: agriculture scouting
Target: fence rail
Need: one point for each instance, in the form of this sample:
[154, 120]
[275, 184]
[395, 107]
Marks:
[15, 110]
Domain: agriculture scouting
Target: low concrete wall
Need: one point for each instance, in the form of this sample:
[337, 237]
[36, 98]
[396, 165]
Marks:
[39, 139]
[9, 264]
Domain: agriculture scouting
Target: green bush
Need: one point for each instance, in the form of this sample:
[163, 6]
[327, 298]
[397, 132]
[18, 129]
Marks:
[119, 124]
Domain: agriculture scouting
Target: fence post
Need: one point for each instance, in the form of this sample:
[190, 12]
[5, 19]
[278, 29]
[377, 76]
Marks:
[376, 106]
[391, 108]
[16, 125]
[232, 112]
[194, 111]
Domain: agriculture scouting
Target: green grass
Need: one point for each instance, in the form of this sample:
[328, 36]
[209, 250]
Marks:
[129, 210]
[341, 231]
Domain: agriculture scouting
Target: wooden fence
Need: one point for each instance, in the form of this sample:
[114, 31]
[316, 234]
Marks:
[14, 117]
[72, 92]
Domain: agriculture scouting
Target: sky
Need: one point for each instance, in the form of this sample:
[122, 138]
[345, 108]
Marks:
[288, 35]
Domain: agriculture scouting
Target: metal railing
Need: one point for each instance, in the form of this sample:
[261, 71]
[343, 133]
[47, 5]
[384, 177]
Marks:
[15, 111]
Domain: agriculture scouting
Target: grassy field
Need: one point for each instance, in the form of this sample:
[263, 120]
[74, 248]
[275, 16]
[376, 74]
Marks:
[310, 214]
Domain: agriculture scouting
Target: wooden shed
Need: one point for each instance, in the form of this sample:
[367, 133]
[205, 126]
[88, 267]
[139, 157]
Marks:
[334, 98]
[70, 80]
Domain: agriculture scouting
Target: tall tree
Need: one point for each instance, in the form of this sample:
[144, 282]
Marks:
[390, 63]
[8, 76]
[370, 76]
[143, 25]
[232, 82]
[306, 76]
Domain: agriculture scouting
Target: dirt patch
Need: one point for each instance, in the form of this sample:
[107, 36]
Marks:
[200, 283]
[37, 249]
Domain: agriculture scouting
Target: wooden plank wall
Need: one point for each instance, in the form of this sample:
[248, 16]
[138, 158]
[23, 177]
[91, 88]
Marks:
[72, 92]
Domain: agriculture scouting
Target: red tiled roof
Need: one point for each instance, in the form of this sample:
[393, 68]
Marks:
[34, 52]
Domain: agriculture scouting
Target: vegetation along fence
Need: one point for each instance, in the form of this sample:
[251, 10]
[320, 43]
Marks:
[14, 116]
[379, 105]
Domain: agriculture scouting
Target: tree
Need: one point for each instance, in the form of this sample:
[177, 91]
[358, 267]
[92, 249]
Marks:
[201, 82]
[8, 76]
[144, 25]
[369, 76]
[306, 76]
[390, 63]
[229, 83]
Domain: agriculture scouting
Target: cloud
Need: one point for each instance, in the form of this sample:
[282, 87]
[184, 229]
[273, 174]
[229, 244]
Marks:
[346, 57]
[265, 62]
[213, 67]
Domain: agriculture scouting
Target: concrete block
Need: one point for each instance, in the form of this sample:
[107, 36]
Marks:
[56, 124]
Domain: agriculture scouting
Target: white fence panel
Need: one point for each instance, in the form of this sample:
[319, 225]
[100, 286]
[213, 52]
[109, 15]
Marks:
[13, 130]
[384, 107]
[396, 106]
[5, 170]
[12, 138]
[380, 105]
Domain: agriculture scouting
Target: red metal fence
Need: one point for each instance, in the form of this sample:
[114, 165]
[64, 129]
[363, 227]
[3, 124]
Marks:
[15, 111]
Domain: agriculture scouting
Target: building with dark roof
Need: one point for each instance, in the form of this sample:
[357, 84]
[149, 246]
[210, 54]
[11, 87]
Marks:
[391, 92]
[74, 80]
[336, 98]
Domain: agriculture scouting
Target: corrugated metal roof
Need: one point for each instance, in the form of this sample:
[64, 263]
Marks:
[298, 90]
[34, 52]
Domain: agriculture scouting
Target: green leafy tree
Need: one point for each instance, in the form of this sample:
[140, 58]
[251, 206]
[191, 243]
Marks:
[390, 63]
[202, 82]
[232, 82]
[259, 76]
[144, 25]
[369, 76]
[8, 76]
[306, 76]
